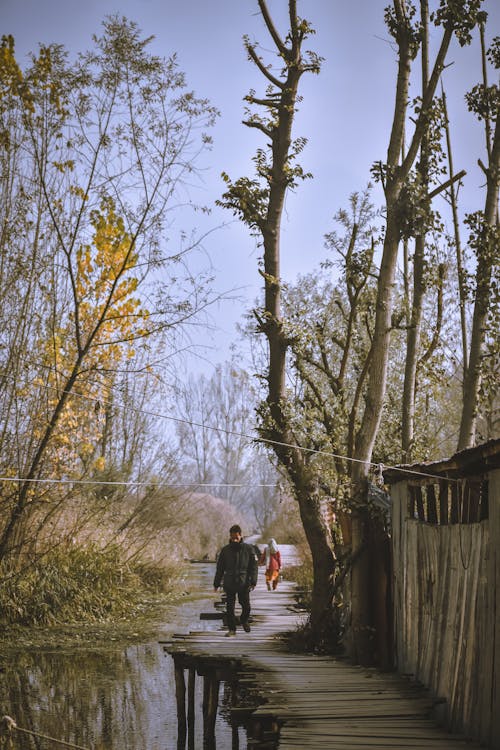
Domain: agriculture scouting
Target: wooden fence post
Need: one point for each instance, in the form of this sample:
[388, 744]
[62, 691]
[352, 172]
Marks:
[494, 593]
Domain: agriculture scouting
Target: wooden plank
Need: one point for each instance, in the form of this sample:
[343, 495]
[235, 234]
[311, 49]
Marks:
[400, 730]
[455, 503]
[494, 599]
[432, 516]
[403, 505]
[320, 702]
[420, 504]
[443, 502]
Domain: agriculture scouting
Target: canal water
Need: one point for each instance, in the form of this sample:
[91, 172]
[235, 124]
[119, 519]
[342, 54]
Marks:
[111, 699]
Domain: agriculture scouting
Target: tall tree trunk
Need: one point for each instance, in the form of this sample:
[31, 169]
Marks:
[487, 256]
[246, 198]
[412, 350]
[487, 248]
[368, 634]
[415, 323]
[394, 177]
[303, 481]
[462, 283]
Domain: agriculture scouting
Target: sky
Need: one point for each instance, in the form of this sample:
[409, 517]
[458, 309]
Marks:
[345, 114]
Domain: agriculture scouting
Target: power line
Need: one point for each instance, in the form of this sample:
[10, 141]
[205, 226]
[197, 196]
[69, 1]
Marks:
[179, 420]
[234, 433]
[131, 483]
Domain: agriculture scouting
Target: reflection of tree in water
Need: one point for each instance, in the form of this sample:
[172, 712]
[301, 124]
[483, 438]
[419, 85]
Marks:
[17, 689]
[103, 700]
[232, 695]
[246, 699]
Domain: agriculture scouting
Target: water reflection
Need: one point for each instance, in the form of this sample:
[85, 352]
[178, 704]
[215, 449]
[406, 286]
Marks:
[224, 695]
[220, 697]
[113, 700]
[107, 700]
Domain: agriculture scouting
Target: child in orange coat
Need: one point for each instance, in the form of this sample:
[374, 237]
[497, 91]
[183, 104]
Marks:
[271, 558]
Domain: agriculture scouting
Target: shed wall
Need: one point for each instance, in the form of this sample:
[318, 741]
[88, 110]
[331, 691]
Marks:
[447, 611]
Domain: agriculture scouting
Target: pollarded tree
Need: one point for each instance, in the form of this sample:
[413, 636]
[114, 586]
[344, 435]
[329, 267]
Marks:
[456, 17]
[419, 220]
[259, 202]
[95, 154]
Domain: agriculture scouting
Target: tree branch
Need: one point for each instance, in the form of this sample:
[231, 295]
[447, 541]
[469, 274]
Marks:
[427, 101]
[258, 62]
[446, 184]
[481, 164]
[264, 102]
[271, 28]
[259, 126]
[296, 40]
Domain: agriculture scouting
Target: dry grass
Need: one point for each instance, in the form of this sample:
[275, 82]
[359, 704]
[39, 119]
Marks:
[71, 584]
[96, 562]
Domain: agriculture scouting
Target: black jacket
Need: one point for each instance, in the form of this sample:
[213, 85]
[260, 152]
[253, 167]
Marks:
[236, 567]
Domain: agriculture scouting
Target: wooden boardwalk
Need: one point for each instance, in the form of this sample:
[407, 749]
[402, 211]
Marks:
[318, 702]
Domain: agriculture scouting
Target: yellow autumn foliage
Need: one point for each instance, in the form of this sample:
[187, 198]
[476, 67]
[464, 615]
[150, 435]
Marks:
[11, 77]
[104, 280]
[108, 315]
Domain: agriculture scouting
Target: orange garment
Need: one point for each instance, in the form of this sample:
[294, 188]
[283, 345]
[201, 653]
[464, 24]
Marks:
[272, 578]
[273, 568]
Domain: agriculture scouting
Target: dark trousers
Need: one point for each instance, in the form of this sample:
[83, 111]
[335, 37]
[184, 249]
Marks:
[244, 600]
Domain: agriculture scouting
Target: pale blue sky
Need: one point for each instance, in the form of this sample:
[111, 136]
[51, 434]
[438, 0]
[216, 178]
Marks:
[345, 114]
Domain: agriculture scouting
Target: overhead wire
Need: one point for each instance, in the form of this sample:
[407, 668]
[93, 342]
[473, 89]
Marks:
[132, 483]
[254, 438]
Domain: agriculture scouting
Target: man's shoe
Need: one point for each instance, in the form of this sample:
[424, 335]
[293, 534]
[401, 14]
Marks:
[246, 627]
[230, 633]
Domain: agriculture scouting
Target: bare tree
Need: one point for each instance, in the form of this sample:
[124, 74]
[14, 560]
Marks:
[259, 203]
[217, 440]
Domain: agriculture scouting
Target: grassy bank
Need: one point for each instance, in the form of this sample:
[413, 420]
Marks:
[84, 594]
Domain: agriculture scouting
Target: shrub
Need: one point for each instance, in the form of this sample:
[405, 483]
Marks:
[71, 584]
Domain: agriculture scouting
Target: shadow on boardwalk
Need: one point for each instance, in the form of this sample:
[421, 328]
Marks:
[304, 701]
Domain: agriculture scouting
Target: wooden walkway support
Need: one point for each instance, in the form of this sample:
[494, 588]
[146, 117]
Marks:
[308, 701]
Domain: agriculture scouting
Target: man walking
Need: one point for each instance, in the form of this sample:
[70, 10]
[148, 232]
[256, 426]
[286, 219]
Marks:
[237, 572]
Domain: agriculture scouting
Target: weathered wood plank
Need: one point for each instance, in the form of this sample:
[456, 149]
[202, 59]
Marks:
[494, 577]
[320, 702]
[447, 589]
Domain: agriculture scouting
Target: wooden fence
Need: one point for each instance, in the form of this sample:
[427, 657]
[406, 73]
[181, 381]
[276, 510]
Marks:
[446, 562]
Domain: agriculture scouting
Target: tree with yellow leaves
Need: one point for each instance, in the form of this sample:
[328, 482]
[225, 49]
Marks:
[93, 154]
